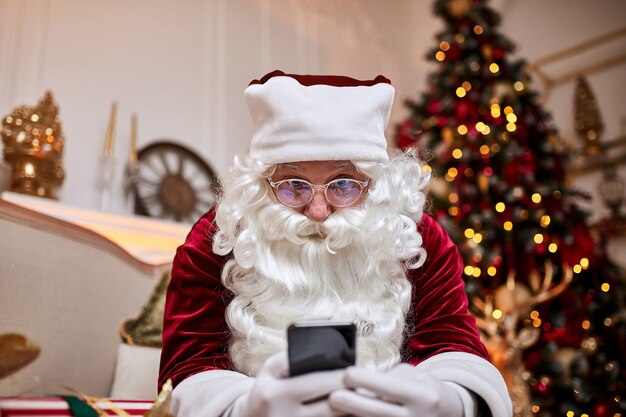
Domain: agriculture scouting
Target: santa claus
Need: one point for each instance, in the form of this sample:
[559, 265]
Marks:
[319, 222]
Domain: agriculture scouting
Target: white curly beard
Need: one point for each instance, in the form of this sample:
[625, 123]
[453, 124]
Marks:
[288, 268]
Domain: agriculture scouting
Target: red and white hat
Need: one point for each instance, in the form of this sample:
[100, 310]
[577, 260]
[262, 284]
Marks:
[318, 118]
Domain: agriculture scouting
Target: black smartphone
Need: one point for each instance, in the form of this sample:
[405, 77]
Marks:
[320, 346]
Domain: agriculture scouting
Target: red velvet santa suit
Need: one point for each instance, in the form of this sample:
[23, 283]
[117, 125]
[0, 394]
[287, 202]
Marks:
[195, 334]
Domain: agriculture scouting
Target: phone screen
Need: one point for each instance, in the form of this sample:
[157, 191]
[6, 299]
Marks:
[320, 346]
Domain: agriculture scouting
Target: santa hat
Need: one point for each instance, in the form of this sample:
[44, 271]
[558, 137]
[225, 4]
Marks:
[318, 118]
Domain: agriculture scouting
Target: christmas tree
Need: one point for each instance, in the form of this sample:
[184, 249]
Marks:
[549, 303]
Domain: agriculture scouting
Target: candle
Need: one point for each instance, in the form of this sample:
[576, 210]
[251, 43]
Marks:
[132, 157]
[110, 137]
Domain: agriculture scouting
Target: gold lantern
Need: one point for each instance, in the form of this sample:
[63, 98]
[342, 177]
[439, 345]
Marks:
[33, 146]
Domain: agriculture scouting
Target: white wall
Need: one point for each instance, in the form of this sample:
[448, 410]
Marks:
[183, 65]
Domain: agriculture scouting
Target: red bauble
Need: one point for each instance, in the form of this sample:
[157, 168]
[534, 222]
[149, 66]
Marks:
[601, 410]
[465, 111]
[433, 107]
[453, 54]
[405, 137]
[583, 246]
[498, 53]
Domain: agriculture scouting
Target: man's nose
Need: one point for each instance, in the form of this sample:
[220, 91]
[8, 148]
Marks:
[318, 208]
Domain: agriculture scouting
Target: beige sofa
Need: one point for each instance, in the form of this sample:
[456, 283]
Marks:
[68, 278]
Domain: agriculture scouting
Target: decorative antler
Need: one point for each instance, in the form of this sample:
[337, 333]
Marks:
[500, 334]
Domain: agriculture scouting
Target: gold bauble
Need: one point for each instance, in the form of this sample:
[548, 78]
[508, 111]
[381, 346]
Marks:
[487, 51]
[483, 183]
[458, 8]
[447, 135]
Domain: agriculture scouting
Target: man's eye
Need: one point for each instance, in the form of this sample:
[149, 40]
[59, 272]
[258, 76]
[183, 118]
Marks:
[342, 183]
[297, 184]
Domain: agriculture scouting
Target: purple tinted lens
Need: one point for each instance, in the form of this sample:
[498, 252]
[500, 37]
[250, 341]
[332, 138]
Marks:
[343, 192]
[294, 193]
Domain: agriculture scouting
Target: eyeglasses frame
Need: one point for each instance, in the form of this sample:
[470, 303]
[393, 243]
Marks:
[275, 184]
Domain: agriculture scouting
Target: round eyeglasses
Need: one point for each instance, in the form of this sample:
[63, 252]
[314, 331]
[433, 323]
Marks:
[342, 192]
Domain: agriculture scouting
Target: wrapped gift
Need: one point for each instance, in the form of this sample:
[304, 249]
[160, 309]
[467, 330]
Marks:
[70, 407]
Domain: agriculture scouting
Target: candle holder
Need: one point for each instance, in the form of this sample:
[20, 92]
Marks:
[107, 173]
[131, 177]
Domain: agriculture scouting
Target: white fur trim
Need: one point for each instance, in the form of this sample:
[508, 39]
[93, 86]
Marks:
[468, 398]
[209, 393]
[474, 373]
[293, 122]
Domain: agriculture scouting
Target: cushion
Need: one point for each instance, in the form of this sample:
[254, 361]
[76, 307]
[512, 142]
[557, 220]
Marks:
[136, 372]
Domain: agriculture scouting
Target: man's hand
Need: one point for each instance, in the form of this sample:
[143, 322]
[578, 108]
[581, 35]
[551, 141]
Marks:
[276, 395]
[404, 391]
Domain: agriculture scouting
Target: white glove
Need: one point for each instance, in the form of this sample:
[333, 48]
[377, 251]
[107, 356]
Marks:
[276, 395]
[402, 392]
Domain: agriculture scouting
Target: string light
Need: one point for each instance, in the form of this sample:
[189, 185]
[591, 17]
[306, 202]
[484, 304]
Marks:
[468, 270]
[480, 126]
[453, 211]
[457, 153]
[545, 220]
[486, 130]
[440, 56]
[477, 238]
[500, 207]
[476, 273]
[552, 247]
[511, 127]
[605, 287]
[577, 269]
[586, 324]
[453, 198]
[469, 233]
[538, 238]
[444, 46]
[494, 68]
[478, 30]
[536, 197]
[466, 85]
[427, 168]
[452, 173]
[511, 117]
[518, 86]
[484, 149]
[584, 262]
[491, 271]
[462, 129]
[497, 314]
[508, 226]
[495, 110]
